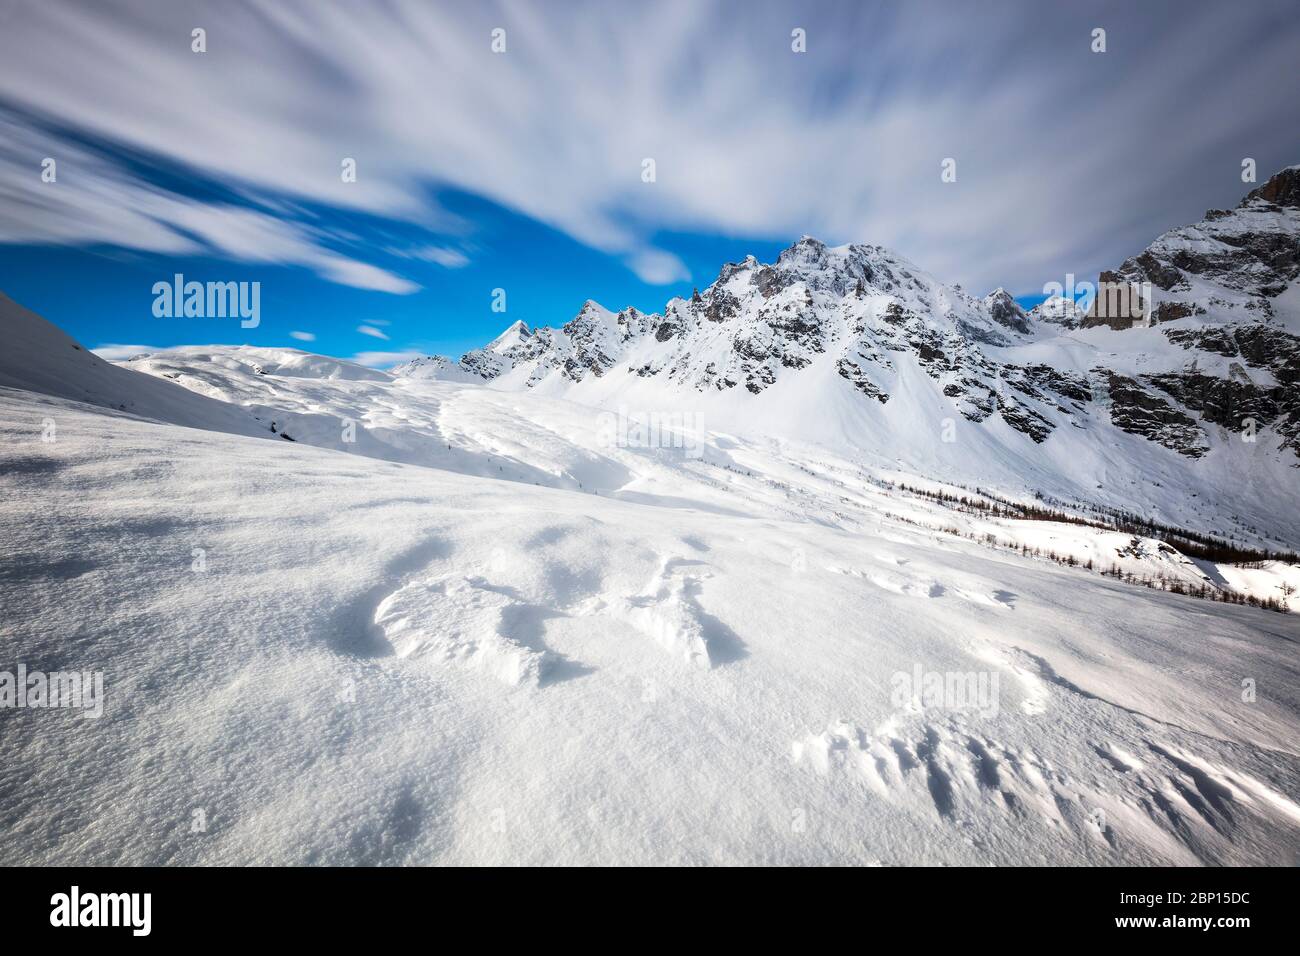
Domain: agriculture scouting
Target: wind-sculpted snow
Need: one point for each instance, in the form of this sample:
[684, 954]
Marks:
[460, 622]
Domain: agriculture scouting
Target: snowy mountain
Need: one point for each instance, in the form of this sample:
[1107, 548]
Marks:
[436, 368]
[857, 344]
[1225, 289]
[1221, 365]
[1236, 266]
[1058, 310]
[1224, 294]
[1005, 310]
[757, 324]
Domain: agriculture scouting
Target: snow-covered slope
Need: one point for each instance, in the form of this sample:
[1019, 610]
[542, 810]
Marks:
[38, 357]
[618, 654]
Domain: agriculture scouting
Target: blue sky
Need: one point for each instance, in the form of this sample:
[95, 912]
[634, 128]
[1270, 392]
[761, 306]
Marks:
[546, 275]
[522, 169]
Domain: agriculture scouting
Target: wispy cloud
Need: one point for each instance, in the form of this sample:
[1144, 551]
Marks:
[373, 332]
[303, 336]
[385, 359]
[658, 268]
[441, 255]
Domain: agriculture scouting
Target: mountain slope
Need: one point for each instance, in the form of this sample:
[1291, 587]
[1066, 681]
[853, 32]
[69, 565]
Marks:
[39, 357]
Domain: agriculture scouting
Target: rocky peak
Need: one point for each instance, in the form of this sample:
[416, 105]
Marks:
[1006, 311]
[591, 314]
[1058, 310]
[1231, 266]
[512, 336]
[1283, 189]
[806, 252]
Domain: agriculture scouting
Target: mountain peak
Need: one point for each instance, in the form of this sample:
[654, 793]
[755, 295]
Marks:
[1006, 311]
[510, 337]
[1234, 265]
[1283, 189]
[807, 250]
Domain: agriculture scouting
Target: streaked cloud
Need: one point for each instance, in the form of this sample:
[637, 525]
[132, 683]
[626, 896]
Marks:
[441, 255]
[385, 359]
[373, 332]
[303, 336]
[95, 201]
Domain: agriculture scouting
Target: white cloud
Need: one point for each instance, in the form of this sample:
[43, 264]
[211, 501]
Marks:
[445, 257]
[303, 336]
[372, 332]
[385, 359]
[657, 267]
[120, 353]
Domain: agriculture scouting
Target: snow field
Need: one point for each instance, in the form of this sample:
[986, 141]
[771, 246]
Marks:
[388, 663]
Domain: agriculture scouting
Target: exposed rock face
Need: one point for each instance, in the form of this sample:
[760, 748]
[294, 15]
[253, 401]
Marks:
[1138, 411]
[1282, 190]
[1239, 402]
[1004, 310]
[1235, 261]
[854, 373]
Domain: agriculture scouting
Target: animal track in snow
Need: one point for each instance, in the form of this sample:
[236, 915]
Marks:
[1120, 760]
[668, 612]
[1178, 806]
[1220, 788]
[962, 775]
[460, 621]
[1026, 669]
[895, 582]
[922, 585]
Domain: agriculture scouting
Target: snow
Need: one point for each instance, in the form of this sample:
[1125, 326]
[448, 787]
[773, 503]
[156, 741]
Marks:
[483, 633]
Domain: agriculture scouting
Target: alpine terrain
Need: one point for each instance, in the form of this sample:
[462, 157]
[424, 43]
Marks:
[828, 562]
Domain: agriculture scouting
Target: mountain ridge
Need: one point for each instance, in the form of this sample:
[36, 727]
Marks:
[1222, 292]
